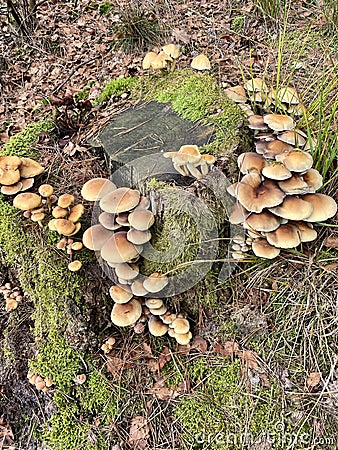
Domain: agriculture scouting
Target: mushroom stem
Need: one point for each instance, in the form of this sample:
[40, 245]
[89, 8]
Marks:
[194, 171]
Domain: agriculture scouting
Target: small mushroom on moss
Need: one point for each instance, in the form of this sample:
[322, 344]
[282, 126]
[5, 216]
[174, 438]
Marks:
[237, 94]
[59, 213]
[117, 249]
[46, 191]
[66, 200]
[148, 59]
[38, 217]
[180, 325]
[76, 212]
[26, 201]
[141, 219]
[201, 62]
[74, 266]
[64, 226]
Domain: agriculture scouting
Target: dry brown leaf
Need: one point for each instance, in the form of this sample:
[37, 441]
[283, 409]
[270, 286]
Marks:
[199, 344]
[331, 241]
[69, 149]
[116, 365]
[161, 391]
[229, 348]
[313, 379]
[249, 358]
[139, 433]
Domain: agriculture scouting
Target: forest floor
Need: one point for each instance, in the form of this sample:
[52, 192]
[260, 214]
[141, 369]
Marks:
[279, 329]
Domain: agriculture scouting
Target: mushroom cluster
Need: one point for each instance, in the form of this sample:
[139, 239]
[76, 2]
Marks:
[188, 161]
[17, 174]
[66, 216]
[256, 91]
[276, 199]
[123, 229]
[12, 295]
[41, 384]
[166, 59]
[163, 60]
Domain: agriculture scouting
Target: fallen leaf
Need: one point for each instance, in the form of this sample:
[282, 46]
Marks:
[199, 344]
[331, 241]
[116, 365]
[139, 433]
[229, 348]
[249, 358]
[161, 391]
[313, 379]
[69, 149]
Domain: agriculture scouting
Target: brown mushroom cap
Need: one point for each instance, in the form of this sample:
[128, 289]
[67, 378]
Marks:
[256, 122]
[9, 177]
[144, 203]
[141, 219]
[109, 221]
[37, 217]
[286, 95]
[59, 213]
[250, 162]
[192, 153]
[119, 294]
[9, 163]
[286, 236]
[294, 185]
[183, 339]
[96, 188]
[313, 179]
[279, 122]
[126, 314]
[158, 311]
[292, 138]
[138, 237]
[148, 59]
[65, 200]
[264, 221]
[255, 85]
[307, 232]
[269, 149]
[263, 249]
[46, 190]
[201, 62]
[155, 282]
[127, 271]
[180, 325]
[12, 189]
[64, 226]
[293, 208]
[76, 212]
[157, 327]
[95, 237]
[74, 266]
[138, 289]
[171, 50]
[26, 201]
[324, 207]
[120, 200]
[276, 171]
[237, 94]
[117, 249]
[30, 168]
[296, 161]
[264, 195]
[154, 303]
[76, 229]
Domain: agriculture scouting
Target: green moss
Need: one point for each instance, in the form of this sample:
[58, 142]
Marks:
[219, 413]
[115, 88]
[95, 402]
[198, 97]
[21, 144]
